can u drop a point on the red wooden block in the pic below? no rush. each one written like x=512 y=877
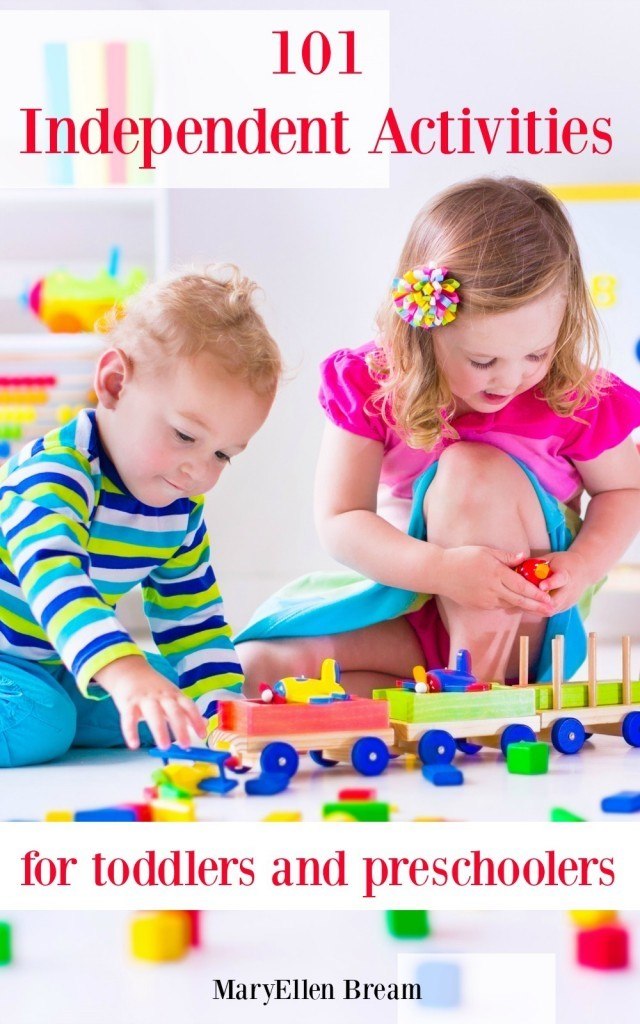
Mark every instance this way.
x=357 y=794
x=253 y=718
x=142 y=811
x=150 y=792
x=605 y=948
x=194 y=923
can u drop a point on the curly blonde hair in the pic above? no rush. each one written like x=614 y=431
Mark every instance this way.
x=507 y=241
x=193 y=312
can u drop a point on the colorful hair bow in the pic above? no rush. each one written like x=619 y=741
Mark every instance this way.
x=426 y=297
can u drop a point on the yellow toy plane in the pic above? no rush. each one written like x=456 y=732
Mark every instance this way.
x=299 y=689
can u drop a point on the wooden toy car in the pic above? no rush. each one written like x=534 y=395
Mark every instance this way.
x=435 y=724
x=329 y=729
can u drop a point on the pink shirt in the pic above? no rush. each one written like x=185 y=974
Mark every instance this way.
x=526 y=428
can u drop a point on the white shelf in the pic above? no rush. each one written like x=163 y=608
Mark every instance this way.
x=36 y=344
x=125 y=195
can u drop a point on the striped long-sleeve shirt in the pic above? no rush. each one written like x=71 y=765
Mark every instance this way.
x=73 y=540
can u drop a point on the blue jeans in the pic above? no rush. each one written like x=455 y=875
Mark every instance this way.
x=43 y=713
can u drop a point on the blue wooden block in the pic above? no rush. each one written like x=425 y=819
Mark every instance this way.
x=106 y=814
x=439 y=984
x=443 y=774
x=267 y=784
x=622 y=803
x=221 y=786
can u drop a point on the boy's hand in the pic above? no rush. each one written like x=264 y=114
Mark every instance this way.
x=568 y=580
x=141 y=693
x=483 y=578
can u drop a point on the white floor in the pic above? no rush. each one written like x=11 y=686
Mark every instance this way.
x=74 y=967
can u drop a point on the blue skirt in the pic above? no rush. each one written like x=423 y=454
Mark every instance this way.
x=324 y=603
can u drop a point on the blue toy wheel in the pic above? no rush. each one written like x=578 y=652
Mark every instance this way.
x=436 y=747
x=369 y=755
x=631 y=728
x=516 y=733
x=279 y=758
x=465 y=747
x=324 y=762
x=568 y=735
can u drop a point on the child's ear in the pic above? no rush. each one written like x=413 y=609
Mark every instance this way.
x=112 y=372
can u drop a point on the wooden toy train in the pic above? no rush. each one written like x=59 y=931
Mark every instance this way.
x=434 y=715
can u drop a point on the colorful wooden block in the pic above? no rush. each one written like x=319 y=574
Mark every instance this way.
x=605 y=948
x=408 y=924
x=267 y=784
x=576 y=695
x=358 y=810
x=142 y=811
x=357 y=794
x=255 y=718
x=499 y=702
x=106 y=814
x=167 y=791
x=160 y=937
x=626 y=802
x=439 y=984
x=528 y=758
x=193 y=919
x=411 y=762
x=173 y=810
x=59 y=816
x=443 y=774
x=195 y=930
x=5 y=943
x=283 y=816
x=561 y=814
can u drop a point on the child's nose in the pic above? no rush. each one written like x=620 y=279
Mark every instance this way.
x=507 y=381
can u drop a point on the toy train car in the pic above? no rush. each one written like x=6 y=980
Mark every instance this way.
x=565 y=714
x=273 y=735
x=434 y=715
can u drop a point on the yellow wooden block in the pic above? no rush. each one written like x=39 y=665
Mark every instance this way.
x=422 y=818
x=187 y=777
x=411 y=762
x=59 y=816
x=284 y=816
x=592 y=918
x=173 y=810
x=160 y=937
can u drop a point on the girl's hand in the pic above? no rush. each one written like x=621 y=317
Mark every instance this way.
x=141 y=693
x=479 y=577
x=568 y=580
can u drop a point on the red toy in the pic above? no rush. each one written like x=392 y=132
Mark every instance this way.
x=605 y=948
x=535 y=570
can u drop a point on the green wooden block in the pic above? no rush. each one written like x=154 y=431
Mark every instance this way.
x=576 y=695
x=408 y=924
x=560 y=814
x=168 y=791
x=528 y=758
x=499 y=702
x=5 y=943
x=361 y=810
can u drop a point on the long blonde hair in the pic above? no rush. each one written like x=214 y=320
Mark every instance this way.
x=507 y=241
